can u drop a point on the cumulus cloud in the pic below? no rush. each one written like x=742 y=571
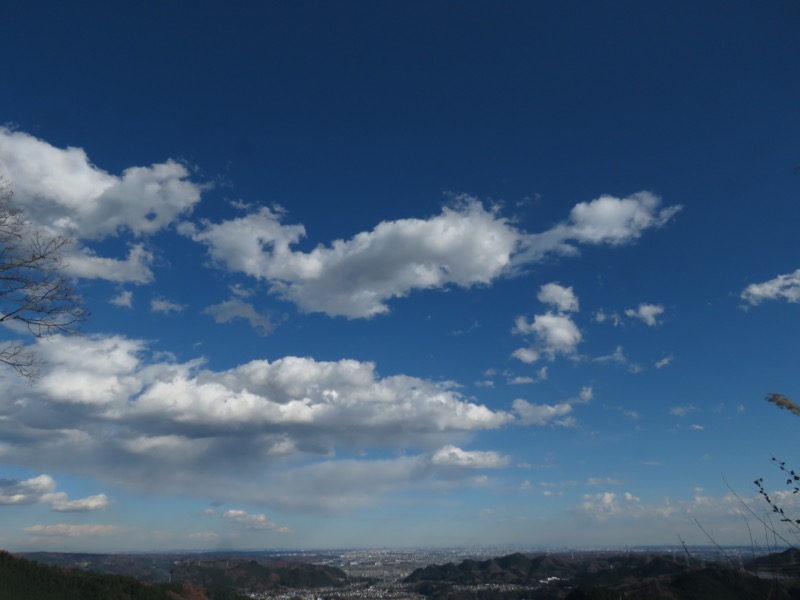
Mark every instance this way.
x=555 y=334
x=96 y=370
x=646 y=312
x=465 y=245
x=42 y=490
x=605 y=505
x=30 y=491
x=783 y=286
x=560 y=297
x=526 y=355
x=108 y=407
x=236 y=308
x=63 y=193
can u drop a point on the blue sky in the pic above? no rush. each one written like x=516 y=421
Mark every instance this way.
x=392 y=274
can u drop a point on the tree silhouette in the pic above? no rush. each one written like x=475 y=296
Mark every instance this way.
x=35 y=295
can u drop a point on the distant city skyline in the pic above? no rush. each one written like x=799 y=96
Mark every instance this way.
x=404 y=275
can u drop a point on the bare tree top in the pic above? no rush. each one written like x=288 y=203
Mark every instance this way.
x=35 y=296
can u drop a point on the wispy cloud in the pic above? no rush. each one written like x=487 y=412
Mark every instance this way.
x=67 y=530
x=165 y=307
x=783 y=286
x=236 y=308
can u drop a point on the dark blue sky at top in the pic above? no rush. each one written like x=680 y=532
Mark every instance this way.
x=405 y=98
x=361 y=102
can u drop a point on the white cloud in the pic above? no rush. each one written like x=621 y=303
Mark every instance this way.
x=161 y=305
x=520 y=380
x=603 y=505
x=618 y=357
x=63 y=193
x=682 y=411
x=526 y=355
x=562 y=298
x=345 y=398
x=541 y=414
x=64 y=530
x=123 y=300
x=62 y=190
x=238 y=309
x=252 y=521
x=29 y=491
x=586 y=395
x=664 y=362
x=555 y=334
x=42 y=490
x=605 y=220
x=723 y=515
x=266 y=432
x=512 y=379
x=783 y=286
x=452 y=456
x=83 y=262
x=465 y=245
x=89 y=503
x=601 y=317
x=97 y=370
x=646 y=312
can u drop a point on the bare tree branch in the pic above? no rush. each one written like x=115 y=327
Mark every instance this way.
x=34 y=292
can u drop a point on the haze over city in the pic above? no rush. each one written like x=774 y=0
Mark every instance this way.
x=383 y=274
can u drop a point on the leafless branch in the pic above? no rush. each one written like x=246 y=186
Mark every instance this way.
x=34 y=292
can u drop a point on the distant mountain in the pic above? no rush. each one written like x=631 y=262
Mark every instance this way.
x=196 y=578
x=786 y=563
x=22 y=579
x=598 y=577
x=253 y=576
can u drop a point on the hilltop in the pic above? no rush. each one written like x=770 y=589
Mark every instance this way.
x=599 y=576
